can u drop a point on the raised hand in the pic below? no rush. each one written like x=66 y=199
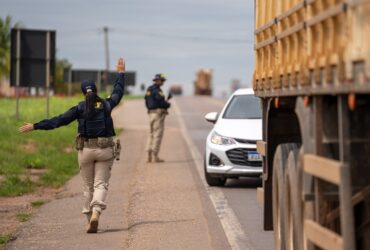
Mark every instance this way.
x=27 y=127
x=121 y=65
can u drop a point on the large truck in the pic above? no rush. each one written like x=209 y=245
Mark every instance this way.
x=312 y=69
x=203 y=82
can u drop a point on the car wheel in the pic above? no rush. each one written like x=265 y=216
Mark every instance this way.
x=213 y=181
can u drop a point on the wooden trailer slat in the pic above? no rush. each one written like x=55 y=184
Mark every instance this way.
x=322 y=237
x=323 y=168
x=261 y=148
x=292 y=30
x=260 y=195
x=266 y=43
x=333 y=11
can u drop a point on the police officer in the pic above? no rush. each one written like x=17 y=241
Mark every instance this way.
x=94 y=143
x=157 y=109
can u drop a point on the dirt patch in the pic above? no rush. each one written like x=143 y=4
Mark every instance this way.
x=11 y=206
x=33 y=174
x=68 y=149
x=30 y=146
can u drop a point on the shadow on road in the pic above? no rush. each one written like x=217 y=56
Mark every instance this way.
x=113 y=230
x=244 y=182
x=179 y=161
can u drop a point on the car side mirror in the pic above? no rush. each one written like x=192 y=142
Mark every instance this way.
x=211 y=117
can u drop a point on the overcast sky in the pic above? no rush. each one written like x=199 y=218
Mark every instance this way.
x=176 y=37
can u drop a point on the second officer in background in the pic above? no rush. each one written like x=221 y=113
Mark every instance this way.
x=157 y=107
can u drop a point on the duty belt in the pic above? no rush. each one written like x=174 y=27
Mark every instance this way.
x=100 y=142
x=157 y=111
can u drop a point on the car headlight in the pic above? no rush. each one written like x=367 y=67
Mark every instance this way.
x=221 y=140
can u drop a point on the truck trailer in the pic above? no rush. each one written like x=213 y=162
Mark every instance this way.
x=312 y=68
x=203 y=82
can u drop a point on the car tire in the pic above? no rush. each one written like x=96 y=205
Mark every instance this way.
x=213 y=181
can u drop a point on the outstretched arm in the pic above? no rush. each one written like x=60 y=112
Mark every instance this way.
x=27 y=127
x=119 y=85
x=52 y=123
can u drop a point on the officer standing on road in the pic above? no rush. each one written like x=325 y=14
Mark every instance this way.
x=95 y=145
x=157 y=109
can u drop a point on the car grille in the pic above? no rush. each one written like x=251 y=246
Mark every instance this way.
x=246 y=141
x=239 y=156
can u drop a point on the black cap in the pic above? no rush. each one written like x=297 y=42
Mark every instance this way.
x=159 y=77
x=87 y=86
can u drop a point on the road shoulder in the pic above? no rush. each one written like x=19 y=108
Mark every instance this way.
x=150 y=206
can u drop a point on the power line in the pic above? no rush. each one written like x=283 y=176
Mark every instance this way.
x=186 y=37
x=163 y=35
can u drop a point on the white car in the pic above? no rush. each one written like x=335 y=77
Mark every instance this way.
x=231 y=144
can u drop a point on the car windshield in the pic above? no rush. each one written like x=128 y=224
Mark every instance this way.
x=243 y=107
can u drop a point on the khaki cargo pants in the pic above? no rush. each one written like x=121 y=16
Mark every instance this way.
x=156 y=120
x=95 y=168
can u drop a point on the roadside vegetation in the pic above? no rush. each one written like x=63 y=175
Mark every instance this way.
x=38 y=203
x=39 y=158
x=23 y=217
x=4 y=239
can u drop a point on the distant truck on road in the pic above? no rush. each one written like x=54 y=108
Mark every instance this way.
x=176 y=89
x=203 y=82
x=312 y=74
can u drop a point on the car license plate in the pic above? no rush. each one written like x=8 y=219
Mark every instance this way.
x=253 y=156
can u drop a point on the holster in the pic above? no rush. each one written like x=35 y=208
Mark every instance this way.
x=117 y=150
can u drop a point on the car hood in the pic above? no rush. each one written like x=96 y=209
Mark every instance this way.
x=248 y=129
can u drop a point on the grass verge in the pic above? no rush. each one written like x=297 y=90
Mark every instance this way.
x=52 y=151
x=23 y=217
x=38 y=203
x=20 y=153
x=5 y=239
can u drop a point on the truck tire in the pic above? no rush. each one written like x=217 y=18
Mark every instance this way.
x=293 y=201
x=278 y=196
x=213 y=181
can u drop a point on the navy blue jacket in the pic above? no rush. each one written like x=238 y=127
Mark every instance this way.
x=77 y=113
x=155 y=99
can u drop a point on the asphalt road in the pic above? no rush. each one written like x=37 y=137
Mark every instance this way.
x=156 y=206
x=241 y=193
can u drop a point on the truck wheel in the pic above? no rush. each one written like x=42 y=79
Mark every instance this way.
x=293 y=202
x=278 y=196
x=213 y=181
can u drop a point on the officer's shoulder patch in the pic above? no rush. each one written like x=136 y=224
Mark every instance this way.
x=98 y=104
x=148 y=93
x=161 y=93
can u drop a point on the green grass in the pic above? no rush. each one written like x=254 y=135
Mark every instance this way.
x=23 y=217
x=133 y=97
x=37 y=204
x=5 y=239
x=49 y=150
x=13 y=186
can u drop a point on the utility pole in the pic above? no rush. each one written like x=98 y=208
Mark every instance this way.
x=106 y=45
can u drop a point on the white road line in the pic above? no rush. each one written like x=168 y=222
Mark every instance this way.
x=233 y=229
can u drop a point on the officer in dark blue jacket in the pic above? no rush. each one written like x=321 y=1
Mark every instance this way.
x=157 y=106
x=94 y=143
